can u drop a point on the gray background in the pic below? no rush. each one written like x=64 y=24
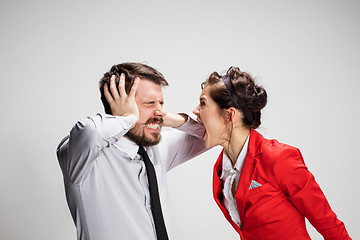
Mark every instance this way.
x=52 y=54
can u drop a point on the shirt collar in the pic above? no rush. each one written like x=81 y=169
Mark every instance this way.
x=127 y=146
x=227 y=164
x=131 y=149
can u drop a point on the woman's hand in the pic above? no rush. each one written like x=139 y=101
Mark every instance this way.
x=122 y=104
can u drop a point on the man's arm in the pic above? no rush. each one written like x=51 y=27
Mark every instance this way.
x=91 y=135
x=184 y=142
x=174 y=119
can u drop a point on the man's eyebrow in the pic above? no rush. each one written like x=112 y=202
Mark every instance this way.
x=153 y=101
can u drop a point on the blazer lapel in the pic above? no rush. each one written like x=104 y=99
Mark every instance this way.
x=217 y=192
x=246 y=176
x=247 y=172
x=217 y=184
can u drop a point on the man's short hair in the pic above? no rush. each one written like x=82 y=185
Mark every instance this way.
x=131 y=71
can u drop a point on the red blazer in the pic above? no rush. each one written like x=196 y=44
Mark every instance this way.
x=288 y=193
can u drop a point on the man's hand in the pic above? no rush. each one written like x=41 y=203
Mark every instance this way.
x=120 y=103
x=174 y=119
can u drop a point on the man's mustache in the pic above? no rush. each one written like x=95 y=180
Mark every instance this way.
x=159 y=121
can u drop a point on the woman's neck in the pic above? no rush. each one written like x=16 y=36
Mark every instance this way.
x=236 y=143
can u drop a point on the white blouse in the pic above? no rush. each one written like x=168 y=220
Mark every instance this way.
x=230 y=176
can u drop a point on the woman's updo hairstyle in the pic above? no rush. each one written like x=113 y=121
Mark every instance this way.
x=253 y=96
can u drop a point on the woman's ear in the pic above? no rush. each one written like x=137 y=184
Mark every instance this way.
x=230 y=113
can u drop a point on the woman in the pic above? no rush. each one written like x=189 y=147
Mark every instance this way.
x=262 y=186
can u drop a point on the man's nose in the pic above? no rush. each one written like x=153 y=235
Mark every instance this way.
x=160 y=110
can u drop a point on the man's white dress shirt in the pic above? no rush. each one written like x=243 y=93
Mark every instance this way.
x=230 y=176
x=105 y=179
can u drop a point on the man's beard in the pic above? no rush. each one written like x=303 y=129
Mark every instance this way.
x=137 y=133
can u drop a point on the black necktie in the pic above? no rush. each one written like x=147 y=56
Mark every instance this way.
x=154 y=196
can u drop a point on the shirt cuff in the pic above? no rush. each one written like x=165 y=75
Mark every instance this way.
x=192 y=127
x=115 y=126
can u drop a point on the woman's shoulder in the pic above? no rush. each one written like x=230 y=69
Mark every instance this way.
x=272 y=149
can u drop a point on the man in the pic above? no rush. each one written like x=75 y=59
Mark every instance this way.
x=106 y=180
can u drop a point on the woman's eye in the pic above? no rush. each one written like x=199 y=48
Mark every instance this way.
x=202 y=103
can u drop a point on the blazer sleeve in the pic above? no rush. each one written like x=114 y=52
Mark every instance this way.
x=303 y=191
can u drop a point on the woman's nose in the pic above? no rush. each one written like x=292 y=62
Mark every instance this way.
x=196 y=111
